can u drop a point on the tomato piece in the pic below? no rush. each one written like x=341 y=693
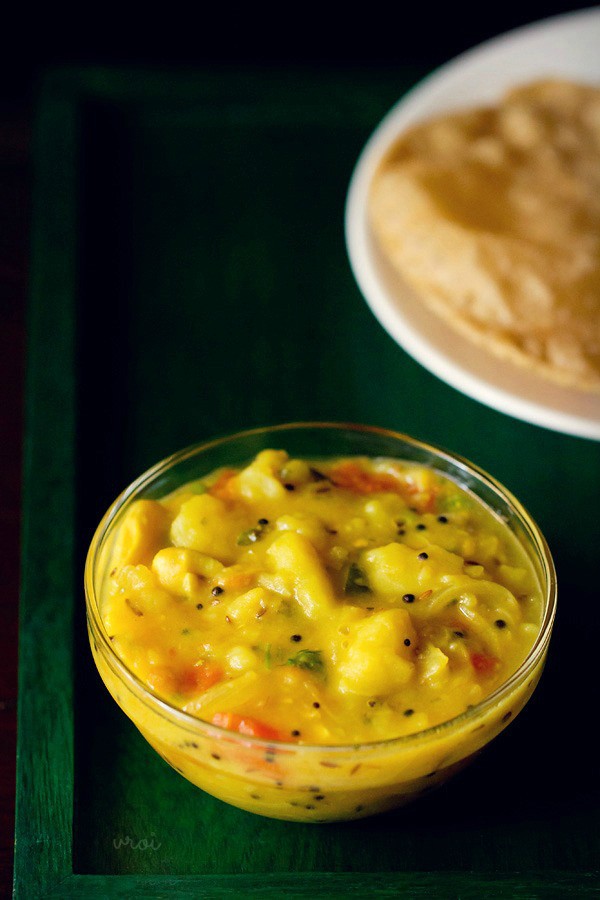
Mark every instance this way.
x=199 y=677
x=246 y=725
x=483 y=664
x=188 y=680
x=428 y=502
x=222 y=488
x=350 y=476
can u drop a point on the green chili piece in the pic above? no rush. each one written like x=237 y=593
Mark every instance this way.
x=251 y=536
x=356 y=581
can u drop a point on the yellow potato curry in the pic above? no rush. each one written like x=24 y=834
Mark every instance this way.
x=330 y=601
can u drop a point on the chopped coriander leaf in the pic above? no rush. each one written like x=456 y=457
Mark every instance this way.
x=308 y=659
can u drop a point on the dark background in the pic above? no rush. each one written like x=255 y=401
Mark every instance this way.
x=322 y=34
x=373 y=35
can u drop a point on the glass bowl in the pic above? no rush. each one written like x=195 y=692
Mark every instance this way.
x=301 y=782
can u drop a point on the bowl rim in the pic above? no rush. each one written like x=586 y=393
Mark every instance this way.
x=194 y=724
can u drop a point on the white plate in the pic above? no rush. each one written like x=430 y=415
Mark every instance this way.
x=563 y=46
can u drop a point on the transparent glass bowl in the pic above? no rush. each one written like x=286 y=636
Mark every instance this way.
x=302 y=782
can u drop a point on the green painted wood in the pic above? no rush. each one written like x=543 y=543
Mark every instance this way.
x=45 y=782
x=204 y=287
x=338 y=886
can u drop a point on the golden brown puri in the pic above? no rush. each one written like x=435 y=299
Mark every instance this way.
x=493 y=216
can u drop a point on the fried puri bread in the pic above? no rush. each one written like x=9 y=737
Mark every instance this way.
x=492 y=216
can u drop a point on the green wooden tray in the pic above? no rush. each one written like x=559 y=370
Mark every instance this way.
x=189 y=278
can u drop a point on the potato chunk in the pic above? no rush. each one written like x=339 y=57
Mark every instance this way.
x=378 y=659
x=396 y=569
x=143 y=531
x=203 y=525
x=135 y=597
x=308 y=525
x=433 y=665
x=174 y=565
x=259 y=480
x=294 y=555
x=250 y=606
